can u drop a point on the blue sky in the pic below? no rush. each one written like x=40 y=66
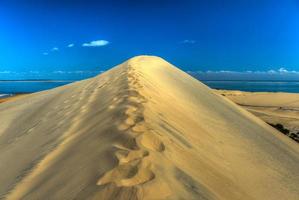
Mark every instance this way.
x=198 y=36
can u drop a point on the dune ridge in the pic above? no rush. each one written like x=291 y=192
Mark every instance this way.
x=142 y=130
x=133 y=167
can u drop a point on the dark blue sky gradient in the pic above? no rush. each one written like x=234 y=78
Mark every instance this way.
x=227 y=35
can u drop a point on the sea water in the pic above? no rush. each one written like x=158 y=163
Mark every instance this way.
x=15 y=87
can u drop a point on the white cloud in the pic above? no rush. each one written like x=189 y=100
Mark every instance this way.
x=71 y=45
x=45 y=53
x=96 y=43
x=59 y=72
x=55 y=49
x=283 y=70
x=188 y=42
x=271 y=71
x=227 y=71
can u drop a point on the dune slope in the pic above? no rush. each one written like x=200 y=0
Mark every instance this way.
x=142 y=130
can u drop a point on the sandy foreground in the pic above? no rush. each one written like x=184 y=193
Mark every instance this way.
x=272 y=107
x=142 y=130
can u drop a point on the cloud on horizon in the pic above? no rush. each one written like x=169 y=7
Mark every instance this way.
x=271 y=71
x=280 y=74
x=71 y=45
x=272 y=74
x=47 y=75
x=96 y=43
x=188 y=42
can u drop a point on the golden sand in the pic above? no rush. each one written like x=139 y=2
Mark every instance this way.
x=142 y=130
x=11 y=98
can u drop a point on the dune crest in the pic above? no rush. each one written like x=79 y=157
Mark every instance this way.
x=133 y=168
x=142 y=130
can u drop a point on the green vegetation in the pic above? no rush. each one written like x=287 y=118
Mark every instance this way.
x=282 y=129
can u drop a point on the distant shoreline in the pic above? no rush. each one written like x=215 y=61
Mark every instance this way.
x=261 y=81
x=35 y=85
x=38 y=80
x=12 y=97
x=71 y=80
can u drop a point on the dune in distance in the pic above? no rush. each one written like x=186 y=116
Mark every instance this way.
x=142 y=130
x=272 y=107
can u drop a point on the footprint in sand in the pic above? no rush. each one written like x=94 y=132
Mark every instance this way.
x=134 y=167
x=129 y=174
x=130 y=110
x=123 y=127
x=131 y=155
x=151 y=141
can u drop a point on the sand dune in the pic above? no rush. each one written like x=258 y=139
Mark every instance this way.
x=142 y=130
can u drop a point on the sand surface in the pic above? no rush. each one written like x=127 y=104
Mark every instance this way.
x=11 y=98
x=272 y=107
x=142 y=130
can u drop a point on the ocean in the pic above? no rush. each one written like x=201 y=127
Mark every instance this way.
x=256 y=86
x=15 y=87
x=8 y=88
